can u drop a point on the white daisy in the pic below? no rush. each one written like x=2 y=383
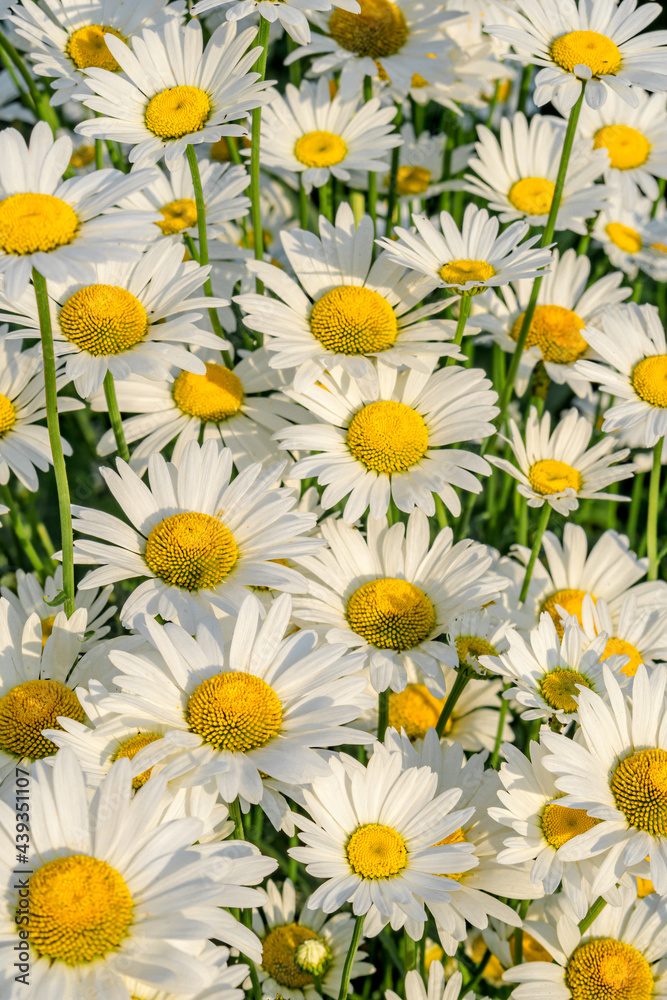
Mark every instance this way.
x=639 y=635
x=347 y=309
x=419 y=167
x=292 y=15
x=436 y=988
x=394 y=593
x=176 y=93
x=632 y=239
x=517 y=175
x=200 y=539
x=57 y=226
x=469 y=259
x=388 y=440
x=478 y=633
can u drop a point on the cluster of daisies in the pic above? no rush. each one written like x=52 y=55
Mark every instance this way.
x=333 y=393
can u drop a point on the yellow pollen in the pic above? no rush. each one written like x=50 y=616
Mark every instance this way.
x=560 y=824
x=624 y=237
x=87 y=47
x=103 y=320
x=458 y=837
x=391 y=614
x=379 y=30
x=555 y=330
x=130 y=747
x=470 y=647
x=47 y=629
x=559 y=690
x=191 y=550
x=35 y=223
x=375 y=851
x=178 y=111
x=549 y=476
x=607 y=969
x=212 y=397
x=320 y=149
x=415 y=710
x=570 y=600
x=644 y=888
x=28 y=709
x=586 y=48
x=639 y=787
x=460 y=272
x=532 y=195
x=82 y=157
x=353 y=320
x=178 y=215
x=411 y=180
x=235 y=711
x=619 y=647
x=278 y=951
x=7 y=415
x=80 y=909
x=649 y=380
x=627 y=148
x=387 y=437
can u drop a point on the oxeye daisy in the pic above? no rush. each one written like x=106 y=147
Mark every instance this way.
x=347 y=309
x=297 y=947
x=381 y=837
x=639 y=635
x=478 y=633
x=472 y=258
x=394 y=593
x=200 y=539
x=592 y=40
x=133 y=317
x=559 y=468
x=566 y=304
x=175 y=92
x=149 y=894
x=419 y=166
x=57 y=226
x=435 y=988
x=387 y=440
x=631 y=239
x=517 y=175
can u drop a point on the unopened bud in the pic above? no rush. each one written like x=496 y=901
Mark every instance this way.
x=313 y=956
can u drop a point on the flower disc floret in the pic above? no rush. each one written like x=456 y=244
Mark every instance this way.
x=387 y=436
x=556 y=331
x=353 y=320
x=28 y=709
x=212 y=397
x=532 y=195
x=471 y=647
x=375 y=851
x=87 y=47
x=586 y=48
x=178 y=111
x=178 y=215
x=560 y=824
x=235 y=711
x=639 y=787
x=621 y=647
x=320 y=149
x=415 y=710
x=559 y=688
x=627 y=148
x=411 y=180
x=607 y=969
x=130 y=747
x=460 y=272
x=378 y=31
x=104 y=320
x=7 y=415
x=391 y=614
x=35 y=223
x=626 y=239
x=569 y=599
x=649 y=380
x=191 y=550
x=279 y=949
x=549 y=476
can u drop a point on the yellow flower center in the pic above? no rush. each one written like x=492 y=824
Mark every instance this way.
x=532 y=195
x=28 y=709
x=570 y=600
x=411 y=180
x=80 y=909
x=586 y=48
x=387 y=437
x=644 y=888
x=7 y=415
x=649 y=380
x=178 y=111
x=658 y=248
x=82 y=157
x=130 y=747
x=458 y=837
x=560 y=824
x=47 y=628
x=235 y=711
x=103 y=320
x=415 y=710
x=35 y=223
x=627 y=147
x=191 y=550
x=391 y=614
x=212 y=397
x=607 y=969
x=353 y=320
x=555 y=330
x=278 y=955
x=639 y=787
x=549 y=476
x=320 y=149
x=379 y=30
x=558 y=688
x=376 y=851
x=178 y=215
x=460 y=272
x=619 y=647
x=624 y=237
x=87 y=47
x=470 y=647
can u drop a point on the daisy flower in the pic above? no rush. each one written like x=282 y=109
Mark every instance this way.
x=133 y=318
x=200 y=539
x=592 y=40
x=631 y=343
x=517 y=175
x=435 y=989
x=639 y=635
x=56 y=226
x=296 y=948
x=347 y=309
x=560 y=468
x=292 y=15
x=175 y=93
x=419 y=166
x=631 y=239
x=470 y=259
x=478 y=633
x=379 y=837
x=149 y=892
x=566 y=304
x=228 y=405
x=394 y=593
x=311 y=134
x=386 y=440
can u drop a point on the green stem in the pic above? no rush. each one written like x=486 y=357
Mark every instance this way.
x=115 y=417
x=236 y=816
x=326 y=200
x=21 y=531
x=502 y=715
x=99 y=155
x=393 y=176
x=524 y=88
x=409 y=952
x=545 y=513
x=440 y=511
x=594 y=910
x=295 y=67
x=256 y=207
x=303 y=205
x=463 y=675
x=465 y=303
x=518 y=933
x=372 y=178
x=246 y=915
x=357 y=205
x=635 y=507
x=661 y=193
x=653 y=508
x=42 y=107
x=349 y=958
x=53 y=425
x=383 y=713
